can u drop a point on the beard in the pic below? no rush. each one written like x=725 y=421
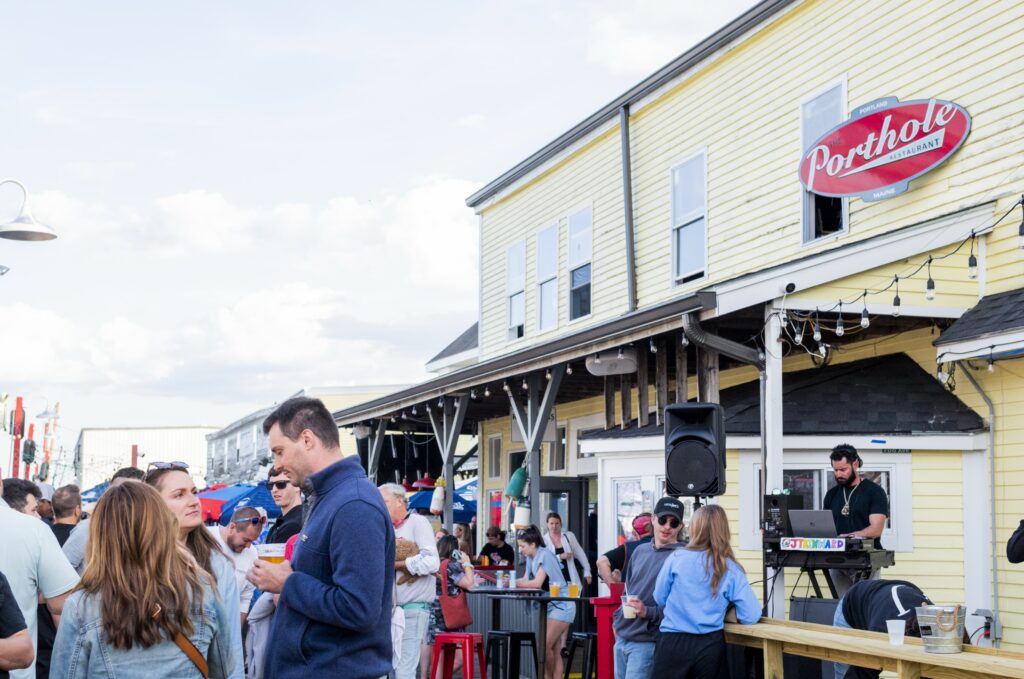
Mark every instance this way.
x=847 y=482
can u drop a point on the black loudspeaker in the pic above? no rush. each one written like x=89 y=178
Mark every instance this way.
x=695 y=449
x=776 y=514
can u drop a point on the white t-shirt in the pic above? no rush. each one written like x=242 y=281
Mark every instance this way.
x=242 y=561
x=32 y=563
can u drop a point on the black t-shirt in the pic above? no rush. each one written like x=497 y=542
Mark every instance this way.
x=11 y=619
x=286 y=526
x=869 y=603
x=62 y=531
x=495 y=554
x=865 y=499
x=618 y=558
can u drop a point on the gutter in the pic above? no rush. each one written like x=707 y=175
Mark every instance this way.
x=627 y=208
x=997 y=627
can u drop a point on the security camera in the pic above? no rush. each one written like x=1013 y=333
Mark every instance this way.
x=789 y=288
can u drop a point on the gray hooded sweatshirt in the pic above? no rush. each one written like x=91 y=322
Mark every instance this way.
x=644 y=566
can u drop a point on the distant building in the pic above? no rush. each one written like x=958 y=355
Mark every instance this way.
x=100 y=452
x=239 y=453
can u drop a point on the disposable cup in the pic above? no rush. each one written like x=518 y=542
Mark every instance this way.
x=574 y=590
x=628 y=612
x=897 y=629
x=271 y=553
x=555 y=590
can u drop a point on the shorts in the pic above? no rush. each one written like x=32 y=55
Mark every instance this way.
x=563 y=611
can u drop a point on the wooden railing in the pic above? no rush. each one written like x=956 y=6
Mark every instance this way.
x=871 y=650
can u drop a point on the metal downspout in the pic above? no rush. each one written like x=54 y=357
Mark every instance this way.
x=997 y=632
x=627 y=208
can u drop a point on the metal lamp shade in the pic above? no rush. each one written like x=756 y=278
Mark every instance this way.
x=26 y=228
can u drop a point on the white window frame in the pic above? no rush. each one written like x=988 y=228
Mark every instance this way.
x=805 y=227
x=511 y=292
x=553 y=277
x=490 y=463
x=571 y=266
x=898 y=536
x=678 y=277
x=564 y=469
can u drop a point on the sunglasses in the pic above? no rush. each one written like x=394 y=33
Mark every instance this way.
x=183 y=466
x=280 y=485
x=670 y=520
x=251 y=520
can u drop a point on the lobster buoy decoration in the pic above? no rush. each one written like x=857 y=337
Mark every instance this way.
x=437 y=499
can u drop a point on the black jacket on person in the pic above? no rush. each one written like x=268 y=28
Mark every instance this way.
x=1015 y=547
x=286 y=526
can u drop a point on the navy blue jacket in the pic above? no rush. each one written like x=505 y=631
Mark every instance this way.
x=334 y=615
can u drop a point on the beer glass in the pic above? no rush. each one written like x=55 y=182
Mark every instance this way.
x=271 y=553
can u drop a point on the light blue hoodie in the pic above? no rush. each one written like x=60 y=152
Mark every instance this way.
x=683 y=591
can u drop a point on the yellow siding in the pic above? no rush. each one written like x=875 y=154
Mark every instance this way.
x=592 y=176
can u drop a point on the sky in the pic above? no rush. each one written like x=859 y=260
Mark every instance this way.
x=252 y=198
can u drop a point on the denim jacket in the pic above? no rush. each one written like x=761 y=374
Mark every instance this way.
x=81 y=649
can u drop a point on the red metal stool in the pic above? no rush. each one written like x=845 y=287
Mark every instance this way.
x=447 y=643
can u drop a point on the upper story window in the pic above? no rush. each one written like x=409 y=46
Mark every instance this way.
x=823 y=216
x=580 y=273
x=547 y=278
x=689 y=228
x=494 y=457
x=515 y=289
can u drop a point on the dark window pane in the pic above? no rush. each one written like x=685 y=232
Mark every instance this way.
x=828 y=215
x=579 y=292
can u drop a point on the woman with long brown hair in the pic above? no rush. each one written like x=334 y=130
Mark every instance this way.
x=179 y=493
x=143 y=604
x=695 y=589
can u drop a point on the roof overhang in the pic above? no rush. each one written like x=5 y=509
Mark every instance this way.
x=622 y=330
x=995 y=345
x=455 y=361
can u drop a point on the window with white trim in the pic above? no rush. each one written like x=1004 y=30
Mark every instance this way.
x=580 y=272
x=689 y=224
x=494 y=457
x=515 y=290
x=823 y=216
x=556 y=451
x=547 y=278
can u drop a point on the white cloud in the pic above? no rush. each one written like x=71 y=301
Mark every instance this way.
x=472 y=121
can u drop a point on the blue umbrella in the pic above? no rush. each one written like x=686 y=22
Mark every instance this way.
x=463 y=503
x=94 y=493
x=250 y=496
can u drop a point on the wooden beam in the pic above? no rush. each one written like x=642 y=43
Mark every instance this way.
x=682 y=381
x=609 y=402
x=626 y=398
x=773 y=659
x=906 y=669
x=660 y=382
x=707 y=376
x=642 y=401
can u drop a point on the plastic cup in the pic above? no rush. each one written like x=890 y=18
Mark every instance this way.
x=271 y=553
x=628 y=612
x=897 y=630
x=574 y=590
x=555 y=590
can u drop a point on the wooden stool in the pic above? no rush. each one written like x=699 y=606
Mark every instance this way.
x=447 y=643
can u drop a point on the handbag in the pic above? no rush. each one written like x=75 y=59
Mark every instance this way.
x=455 y=608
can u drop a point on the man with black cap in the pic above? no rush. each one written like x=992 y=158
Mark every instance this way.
x=636 y=629
x=868 y=604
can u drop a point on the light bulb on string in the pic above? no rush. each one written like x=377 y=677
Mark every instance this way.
x=487 y=391
x=991 y=361
x=414 y=410
x=597 y=357
x=568 y=368
x=816 y=328
x=972 y=261
x=654 y=349
x=547 y=375
x=840 y=331
x=929 y=288
x=822 y=350
x=526 y=385
x=798 y=336
x=896 y=300
x=505 y=386
x=440 y=402
x=864 y=320
x=620 y=356
x=472 y=394
x=684 y=341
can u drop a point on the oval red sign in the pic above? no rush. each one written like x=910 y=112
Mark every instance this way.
x=883 y=146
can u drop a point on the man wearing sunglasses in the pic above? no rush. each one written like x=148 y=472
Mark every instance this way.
x=636 y=637
x=235 y=539
x=288 y=497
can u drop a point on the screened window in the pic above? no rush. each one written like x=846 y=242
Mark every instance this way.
x=494 y=457
x=822 y=215
x=547 y=278
x=689 y=231
x=515 y=286
x=580 y=241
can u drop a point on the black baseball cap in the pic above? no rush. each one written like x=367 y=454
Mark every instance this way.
x=669 y=506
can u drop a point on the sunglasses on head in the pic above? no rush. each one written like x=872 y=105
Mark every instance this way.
x=280 y=485
x=251 y=520
x=183 y=466
x=670 y=520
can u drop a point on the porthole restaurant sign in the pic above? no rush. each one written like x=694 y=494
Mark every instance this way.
x=883 y=146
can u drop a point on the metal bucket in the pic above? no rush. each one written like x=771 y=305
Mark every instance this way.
x=942 y=628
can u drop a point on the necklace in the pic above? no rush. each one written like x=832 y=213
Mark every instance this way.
x=846 y=499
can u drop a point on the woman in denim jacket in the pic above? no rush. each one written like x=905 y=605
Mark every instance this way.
x=142 y=599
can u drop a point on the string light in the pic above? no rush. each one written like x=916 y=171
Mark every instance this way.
x=568 y=368
x=393 y=418
x=929 y=288
x=991 y=361
x=684 y=341
x=864 y=320
x=472 y=394
x=440 y=402
x=896 y=299
x=526 y=385
x=840 y=331
x=487 y=391
x=414 y=410
x=597 y=357
x=504 y=386
x=816 y=327
x=620 y=354
x=547 y=375
x=822 y=349
x=404 y=416
x=654 y=349
x=972 y=261
x=798 y=336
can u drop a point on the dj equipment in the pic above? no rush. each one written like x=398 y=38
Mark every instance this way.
x=776 y=514
x=856 y=554
x=695 y=449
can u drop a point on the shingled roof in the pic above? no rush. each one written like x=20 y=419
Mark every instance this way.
x=991 y=315
x=882 y=395
x=465 y=342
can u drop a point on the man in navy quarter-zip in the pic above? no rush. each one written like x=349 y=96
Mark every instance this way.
x=334 y=612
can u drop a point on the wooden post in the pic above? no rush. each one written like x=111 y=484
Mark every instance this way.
x=907 y=669
x=682 y=381
x=660 y=382
x=609 y=402
x=626 y=396
x=773 y=659
x=707 y=376
x=642 y=401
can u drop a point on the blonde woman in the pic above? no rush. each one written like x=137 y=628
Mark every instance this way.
x=142 y=599
x=695 y=589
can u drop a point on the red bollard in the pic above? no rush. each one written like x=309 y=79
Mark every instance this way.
x=604 y=608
